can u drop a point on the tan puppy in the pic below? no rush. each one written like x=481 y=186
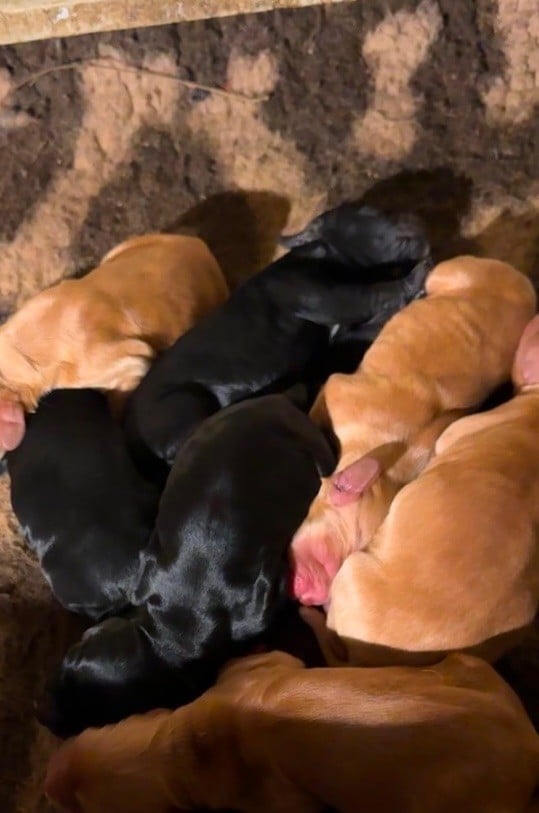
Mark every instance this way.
x=456 y=563
x=103 y=330
x=434 y=361
x=274 y=737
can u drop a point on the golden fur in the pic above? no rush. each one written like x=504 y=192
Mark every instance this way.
x=456 y=563
x=434 y=361
x=274 y=737
x=103 y=330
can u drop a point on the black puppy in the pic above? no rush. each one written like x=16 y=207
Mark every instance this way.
x=353 y=236
x=215 y=574
x=83 y=507
x=356 y=235
x=268 y=333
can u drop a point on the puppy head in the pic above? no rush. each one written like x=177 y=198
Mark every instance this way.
x=102 y=679
x=363 y=236
x=525 y=371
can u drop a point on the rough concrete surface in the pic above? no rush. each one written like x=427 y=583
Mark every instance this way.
x=428 y=105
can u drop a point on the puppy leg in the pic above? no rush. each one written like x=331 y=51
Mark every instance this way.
x=127 y=364
x=423 y=445
x=112 y=365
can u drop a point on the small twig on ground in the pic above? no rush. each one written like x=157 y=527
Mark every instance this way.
x=111 y=65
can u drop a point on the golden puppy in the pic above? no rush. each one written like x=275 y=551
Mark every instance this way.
x=103 y=330
x=456 y=563
x=434 y=361
x=274 y=737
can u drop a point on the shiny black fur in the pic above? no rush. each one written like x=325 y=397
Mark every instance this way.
x=356 y=235
x=83 y=507
x=215 y=575
x=272 y=330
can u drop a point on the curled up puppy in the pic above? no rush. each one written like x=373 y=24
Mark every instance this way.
x=274 y=737
x=83 y=507
x=432 y=363
x=102 y=331
x=455 y=565
x=213 y=577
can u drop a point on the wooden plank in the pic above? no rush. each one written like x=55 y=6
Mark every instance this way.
x=25 y=20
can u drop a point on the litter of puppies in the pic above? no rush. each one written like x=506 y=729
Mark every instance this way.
x=188 y=465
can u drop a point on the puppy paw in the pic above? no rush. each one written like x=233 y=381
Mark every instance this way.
x=12 y=426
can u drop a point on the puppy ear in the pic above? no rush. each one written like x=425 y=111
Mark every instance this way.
x=352 y=482
x=12 y=426
x=526 y=364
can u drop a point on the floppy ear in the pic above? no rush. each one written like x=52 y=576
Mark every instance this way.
x=526 y=364
x=352 y=482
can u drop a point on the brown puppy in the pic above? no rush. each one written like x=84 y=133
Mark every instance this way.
x=456 y=563
x=103 y=330
x=274 y=737
x=434 y=361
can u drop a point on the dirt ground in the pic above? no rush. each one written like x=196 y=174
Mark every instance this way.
x=428 y=106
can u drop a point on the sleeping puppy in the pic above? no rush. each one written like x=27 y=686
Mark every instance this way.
x=467 y=574
x=266 y=336
x=274 y=737
x=103 y=330
x=353 y=235
x=433 y=362
x=213 y=576
x=83 y=508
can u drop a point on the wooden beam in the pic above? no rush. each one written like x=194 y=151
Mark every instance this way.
x=25 y=20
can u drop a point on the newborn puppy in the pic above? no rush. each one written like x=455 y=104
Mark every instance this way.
x=456 y=563
x=355 y=236
x=264 y=338
x=433 y=362
x=214 y=573
x=83 y=508
x=103 y=330
x=274 y=737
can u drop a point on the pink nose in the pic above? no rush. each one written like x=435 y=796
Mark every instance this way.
x=310 y=590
